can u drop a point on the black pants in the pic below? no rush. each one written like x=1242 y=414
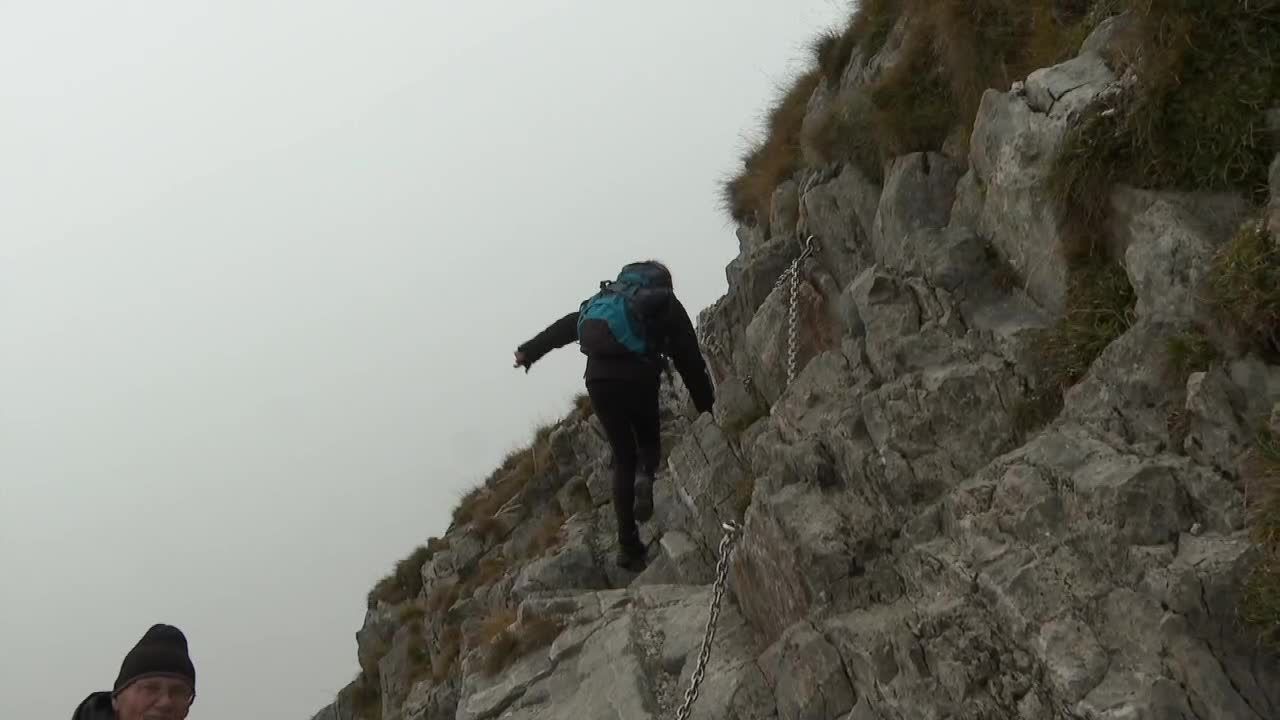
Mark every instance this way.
x=628 y=410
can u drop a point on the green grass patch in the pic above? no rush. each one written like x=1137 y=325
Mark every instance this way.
x=1260 y=604
x=1181 y=126
x=1189 y=352
x=1099 y=309
x=1244 y=285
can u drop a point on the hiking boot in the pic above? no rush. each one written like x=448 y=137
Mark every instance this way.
x=631 y=559
x=644 y=497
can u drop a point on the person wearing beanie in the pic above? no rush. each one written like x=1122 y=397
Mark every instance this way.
x=157 y=681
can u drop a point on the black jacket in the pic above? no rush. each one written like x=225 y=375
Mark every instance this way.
x=95 y=707
x=676 y=337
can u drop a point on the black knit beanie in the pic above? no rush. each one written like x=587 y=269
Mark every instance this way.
x=161 y=651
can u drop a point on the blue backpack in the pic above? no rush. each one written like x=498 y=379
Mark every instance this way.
x=620 y=318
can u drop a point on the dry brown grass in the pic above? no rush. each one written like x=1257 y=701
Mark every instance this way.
x=913 y=109
x=872 y=22
x=547 y=537
x=841 y=132
x=582 y=406
x=444 y=661
x=748 y=196
x=487 y=572
x=494 y=623
x=413 y=611
x=366 y=700
x=490 y=570
x=489 y=528
x=832 y=51
x=512 y=643
x=443 y=597
x=405 y=581
x=419 y=657
x=952 y=52
x=465 y=510
x=506 y=483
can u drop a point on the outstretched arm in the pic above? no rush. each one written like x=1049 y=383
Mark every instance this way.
x=557 y=335
x=684 y=351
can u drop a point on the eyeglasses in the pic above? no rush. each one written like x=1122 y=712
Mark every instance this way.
x=178 y=692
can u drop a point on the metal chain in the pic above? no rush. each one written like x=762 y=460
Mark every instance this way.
x=793 y=313
x=732 y=529
x=792 y=274
x=791 y=334
x=731 y=532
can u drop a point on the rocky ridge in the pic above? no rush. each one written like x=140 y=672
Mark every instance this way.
x=913 y=545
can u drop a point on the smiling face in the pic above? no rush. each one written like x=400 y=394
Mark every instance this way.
x=154 y=698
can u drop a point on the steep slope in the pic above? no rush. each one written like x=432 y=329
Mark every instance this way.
x=979 y=474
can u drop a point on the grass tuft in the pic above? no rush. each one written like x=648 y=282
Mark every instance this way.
x=927 y=90
x=1244 y=285
x=1260 y=604
x=547 y=537
x=748 y=196
x=1099 y=309
x=443 y=597
x=443 y=662
x=582 y=406
x=515 y=641
x=832 y=51
x=1190 y=352
x=366 y=700
x=1180 y=126
x=405 y=581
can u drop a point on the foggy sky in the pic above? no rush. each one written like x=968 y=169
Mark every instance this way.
x=262 y=268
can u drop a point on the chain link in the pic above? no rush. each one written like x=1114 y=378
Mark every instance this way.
x=731 y=532
x=731 y=529
x=791 y=334
x=790 y=274
x=793 y=271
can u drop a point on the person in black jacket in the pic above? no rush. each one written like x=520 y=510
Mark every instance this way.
x=157 y=681
x=623 y=386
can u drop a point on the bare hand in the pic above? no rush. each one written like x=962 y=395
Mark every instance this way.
x=521 y=361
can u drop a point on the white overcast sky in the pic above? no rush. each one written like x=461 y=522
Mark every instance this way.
x=262 y=267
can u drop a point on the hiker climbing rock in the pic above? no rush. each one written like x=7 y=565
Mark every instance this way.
x=627 y=330
x=157 y=681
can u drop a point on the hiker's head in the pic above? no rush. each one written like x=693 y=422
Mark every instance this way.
x=659 y=265
x=157 y=680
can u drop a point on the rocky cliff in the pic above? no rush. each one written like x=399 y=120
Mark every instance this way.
x=1003 y=482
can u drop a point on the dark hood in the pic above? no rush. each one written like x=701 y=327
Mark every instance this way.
x=95 y=707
